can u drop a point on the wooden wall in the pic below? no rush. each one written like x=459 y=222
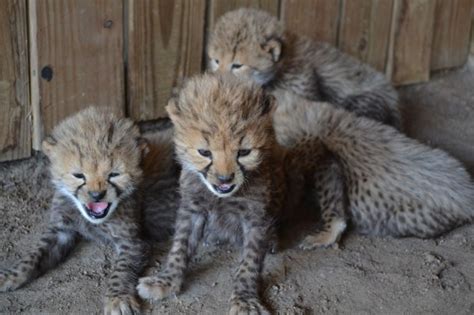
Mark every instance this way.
x=57 y=57
x=15 y=111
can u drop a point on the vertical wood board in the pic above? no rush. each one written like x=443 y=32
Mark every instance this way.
x=165 y=45
x=318 y=19
x=451 y=33
x=15 y=129
x=413 y=34
x=80 y=57
x=364 y=31
x=219 y=7
x=472 y=33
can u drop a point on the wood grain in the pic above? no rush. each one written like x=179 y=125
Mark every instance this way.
x=219 y=7
x=80 y=57
x=413 y=34
x=472 y=34
x=165 y=44
x=15 y=129
x=35 y=99
x=318 y=19
x=364 y=30
x=451 y=33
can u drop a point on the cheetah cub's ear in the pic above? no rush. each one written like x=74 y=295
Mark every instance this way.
x=273 y=47
x=47 y=146
x=144 y=146
x=172 y=109
x=268 y=105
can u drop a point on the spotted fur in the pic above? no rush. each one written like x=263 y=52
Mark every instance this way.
x=97 y=152
x=394 y=185
x=253 y=44
x=223 y=136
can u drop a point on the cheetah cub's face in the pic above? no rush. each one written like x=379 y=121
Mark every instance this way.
x=247 y=43
x=219 y=130
x=95 y=161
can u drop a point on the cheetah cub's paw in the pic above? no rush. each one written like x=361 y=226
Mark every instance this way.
x=247 y=306
x=10 y=281
x=122 y=305
x=325 y=238
x=157 y=288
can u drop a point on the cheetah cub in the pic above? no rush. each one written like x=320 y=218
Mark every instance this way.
x=254 y=44
x=96 y=164
x=394 y=185
x=230 y=185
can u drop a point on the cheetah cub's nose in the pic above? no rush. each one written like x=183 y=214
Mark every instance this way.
x=226 y=179
x=97 y=195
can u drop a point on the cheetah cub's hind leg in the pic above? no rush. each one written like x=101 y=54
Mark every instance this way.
x=52 y=248
x=330 y=191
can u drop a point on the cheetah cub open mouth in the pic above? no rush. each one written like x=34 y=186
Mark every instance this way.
x=224 y=188
x=98 y=210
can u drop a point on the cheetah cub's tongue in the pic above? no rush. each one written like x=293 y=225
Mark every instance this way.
x=97 y=207
x=224 y=187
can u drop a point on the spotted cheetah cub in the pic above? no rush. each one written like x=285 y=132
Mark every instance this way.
x=96 y=164
x=254 y=44
x=394 y=185
x=230 y=185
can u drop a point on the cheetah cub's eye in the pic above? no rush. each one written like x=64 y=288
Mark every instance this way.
x=236 y=66
x=205 y=153
x=114 y=174
x=243 y=152
x=216 y=61
x=79 y=175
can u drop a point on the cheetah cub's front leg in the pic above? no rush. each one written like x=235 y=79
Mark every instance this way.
x=244 y=299
x=131 y=257
x=330 y=189
x=186 y=238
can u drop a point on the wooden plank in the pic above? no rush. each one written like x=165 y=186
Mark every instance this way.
x=413 y=34
x=219 y=7
x=165 y=42
x=15 y=132
x=451 y=33
x=472 y=33
x=317 y=19
x=80 y=57
x=35 y=99
x=364 y=30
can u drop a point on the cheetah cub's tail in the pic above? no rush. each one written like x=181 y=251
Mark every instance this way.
x=395 y=185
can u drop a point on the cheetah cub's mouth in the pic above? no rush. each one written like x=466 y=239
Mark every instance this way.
x=98 y=210
x=224 y=188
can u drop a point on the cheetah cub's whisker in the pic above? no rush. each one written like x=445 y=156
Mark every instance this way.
x=97 y=161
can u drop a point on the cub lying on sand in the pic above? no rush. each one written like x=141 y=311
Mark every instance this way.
x=253 y=44
x=394 y=185
x=97 y=166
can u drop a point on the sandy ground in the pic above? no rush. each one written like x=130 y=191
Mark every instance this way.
x=366 y=275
